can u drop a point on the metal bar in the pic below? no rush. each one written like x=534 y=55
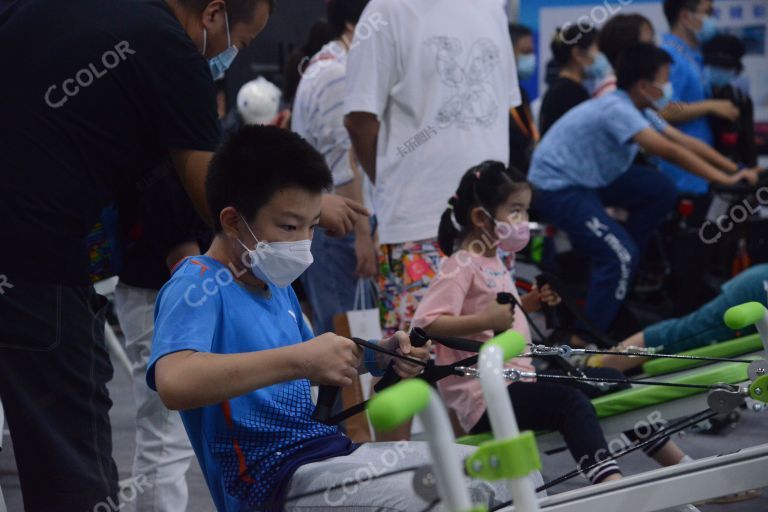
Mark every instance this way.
x=669 y=487
x=502 y=418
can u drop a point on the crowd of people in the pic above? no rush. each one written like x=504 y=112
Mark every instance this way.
x=402 y=150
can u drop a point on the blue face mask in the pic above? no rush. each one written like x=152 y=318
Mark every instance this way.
x=526 y=66
x=719 y=77
x=599 y=68
x=667 y=92
x=708 y=29
x=221 y=62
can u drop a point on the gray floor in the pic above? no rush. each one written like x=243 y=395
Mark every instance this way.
x=751 y=431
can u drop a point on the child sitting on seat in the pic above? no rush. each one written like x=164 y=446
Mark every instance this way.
x=488 y=212
x=584 y=164
x=232 y=352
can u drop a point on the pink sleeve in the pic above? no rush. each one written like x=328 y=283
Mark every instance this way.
x=445 y=295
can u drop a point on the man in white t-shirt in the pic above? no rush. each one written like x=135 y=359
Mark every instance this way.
x=318 y=116
x=429 y=84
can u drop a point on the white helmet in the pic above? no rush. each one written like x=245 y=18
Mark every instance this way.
x=258 y=101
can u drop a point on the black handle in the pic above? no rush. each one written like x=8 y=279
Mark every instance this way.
x=326 y=399
x=550 y=312
x=742 y=187
x=505 y=298
x=418 y=339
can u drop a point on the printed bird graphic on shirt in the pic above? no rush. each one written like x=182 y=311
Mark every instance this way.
x=473 y=99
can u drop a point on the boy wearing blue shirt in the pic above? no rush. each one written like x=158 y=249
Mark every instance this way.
x=232 y=352
x=584 y=163
x=691 y=24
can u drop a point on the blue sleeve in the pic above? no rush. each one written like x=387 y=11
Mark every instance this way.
x=658 y=123
x=623 y=121
x=186 y=318
x=678 y=74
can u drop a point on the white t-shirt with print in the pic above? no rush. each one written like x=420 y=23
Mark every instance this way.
x=440 y=76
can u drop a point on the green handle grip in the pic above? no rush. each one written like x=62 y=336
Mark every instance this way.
x=511 y=343
x=739 y=317
x=758 y=390
x=398 y=404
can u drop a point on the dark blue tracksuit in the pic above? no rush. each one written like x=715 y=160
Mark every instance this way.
x=613 y=249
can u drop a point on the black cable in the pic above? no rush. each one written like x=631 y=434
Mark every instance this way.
x=391 y=353
x=433 y=373
x=531 y=323
x=432 y=505
x=666 y=356
x=623 y=381
x=470 y=345
x=658 y=435
x=664 y=432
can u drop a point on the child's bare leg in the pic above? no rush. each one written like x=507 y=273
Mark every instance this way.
x=622 y=363
x=669 y=455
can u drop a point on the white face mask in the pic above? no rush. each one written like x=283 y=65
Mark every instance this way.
x=278 y=263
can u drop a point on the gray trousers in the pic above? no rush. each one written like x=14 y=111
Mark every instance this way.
x=362 y=491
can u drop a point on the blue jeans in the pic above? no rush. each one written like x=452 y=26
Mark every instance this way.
x=705 y=325
x=614 y=249
x=330 y=281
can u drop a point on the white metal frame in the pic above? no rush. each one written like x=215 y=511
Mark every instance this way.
x=667 y=488
x=669 y=411
x=446 y=462
x=502 y=417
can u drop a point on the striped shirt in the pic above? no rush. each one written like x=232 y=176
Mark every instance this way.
x=318 y=110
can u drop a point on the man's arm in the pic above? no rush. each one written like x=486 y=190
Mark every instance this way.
x=188 y=379
x=192 y=168
x=680 y=112
x=338 y=215
x=701 y=149
x=657 y=144
x=365 y=248
x=363 y=128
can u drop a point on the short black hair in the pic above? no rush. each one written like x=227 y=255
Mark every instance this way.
x=517 y=32
x=672 y=9
x=237 y=10
x=641 y=61
x=724 y=51
x=257 y=161
x=570 y=36
x=619 y=33
x=341 y=12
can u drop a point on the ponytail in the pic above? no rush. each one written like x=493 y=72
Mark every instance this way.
x=449 y=230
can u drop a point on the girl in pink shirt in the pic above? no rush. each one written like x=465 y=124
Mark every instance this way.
x=490 y=210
